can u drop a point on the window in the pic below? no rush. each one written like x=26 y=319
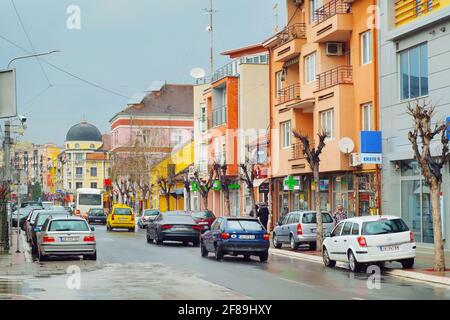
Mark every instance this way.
x=93 y=185
x=366 y=117
x=78 y=156
x=93 y=172
x=78 y=185
x=224 y=97
x=77 y=146
x=310 y=68
x=247 y=225
x=313 y=6
x=337 y=231
x=286 y=136
x=89 y=199
x=311 y=217
x=366 y=47
x=279 y=79
x=347 y=228
x=414 y=72
x=79 y=172
x=384 y=227
x=355 y=229
x=70 y=185
x=202 y=117
x=326 y=119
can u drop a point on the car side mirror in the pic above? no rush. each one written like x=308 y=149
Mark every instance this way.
x=37 y=229
x=279 y=223
x=327 y=235
x=92 y=229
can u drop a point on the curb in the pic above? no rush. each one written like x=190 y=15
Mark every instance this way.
x=396 y=272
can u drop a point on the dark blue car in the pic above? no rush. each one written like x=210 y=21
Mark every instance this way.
x=236 y=236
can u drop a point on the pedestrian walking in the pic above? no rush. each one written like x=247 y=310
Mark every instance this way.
x=340 y=214
x=263 y=214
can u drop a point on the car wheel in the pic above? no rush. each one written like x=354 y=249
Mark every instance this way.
x=407 y=263
x=92 y=257
x=149 y=240
x=246 y=257
x=33 y=249
x=313 y=246
x=131 y=229
x=108 y=228
x=185 y=243
x=219 y=253
x=203 y=251
x=264 y=256
x=275 y=242
x=294 y=245
x=158 y=240
x=326 y=259
x=355 y=266
x=41 y=257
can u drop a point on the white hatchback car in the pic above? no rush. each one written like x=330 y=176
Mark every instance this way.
x=370 y=239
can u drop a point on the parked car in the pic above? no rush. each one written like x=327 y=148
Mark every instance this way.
x=236 y=236
x=29 y=223
x=370 y=240
x=66 y=236
x=23 y=214
x=173 y=226
x=25 y=204
x=96 y=216
x=121 y=216
x=39 y=220
x=300 y=227
x=203 y=218
x=147 y=216
x=47 y=205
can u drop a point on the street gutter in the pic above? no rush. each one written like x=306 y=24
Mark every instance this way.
x=418 y=276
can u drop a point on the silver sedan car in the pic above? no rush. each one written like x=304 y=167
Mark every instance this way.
x=66 y=236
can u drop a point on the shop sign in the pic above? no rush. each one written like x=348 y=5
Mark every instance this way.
x=217 y=186
x=264 y=188
x=371 y=158
x=291 y=183
x=194 y=186
x=234 y=186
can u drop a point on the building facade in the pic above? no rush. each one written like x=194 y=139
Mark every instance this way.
x=231 y=110
x=414 y=64
x=323 y=71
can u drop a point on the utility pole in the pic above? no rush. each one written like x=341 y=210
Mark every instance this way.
x=210 y=11
x=6 y=223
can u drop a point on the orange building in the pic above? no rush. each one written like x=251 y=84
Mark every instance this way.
x=323 y=71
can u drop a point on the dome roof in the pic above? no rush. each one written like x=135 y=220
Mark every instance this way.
x=84 y=132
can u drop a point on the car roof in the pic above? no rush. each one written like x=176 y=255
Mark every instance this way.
x=66 y=217
x=371 y=218
x=310 y=211
x=121 y=206
x=241 y=218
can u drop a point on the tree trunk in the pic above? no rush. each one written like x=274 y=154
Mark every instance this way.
x=188 y=202
x=252 y=202
x=168 y=201
x=439 y=258
x=318 y=210
x=205 y=201
x=228 y=203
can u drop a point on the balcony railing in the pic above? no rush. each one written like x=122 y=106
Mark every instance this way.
x=289 y=93
x=409 y=9
x=333 y=77
x=295 y=31
x=298 y=151
x=219 y=116
x=331 y=9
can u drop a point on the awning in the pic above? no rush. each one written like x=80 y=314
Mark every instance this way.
x=258 y=182
x=291 y=62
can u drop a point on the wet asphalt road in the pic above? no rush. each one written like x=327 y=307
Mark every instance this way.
x=130 y=268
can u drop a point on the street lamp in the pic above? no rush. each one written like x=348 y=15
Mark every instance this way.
x=32 y=56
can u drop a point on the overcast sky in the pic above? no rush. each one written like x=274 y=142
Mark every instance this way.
x=123 y=45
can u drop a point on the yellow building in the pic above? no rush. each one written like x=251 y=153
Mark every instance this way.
x=171 y=170
x=407 y=11
x=83 y=163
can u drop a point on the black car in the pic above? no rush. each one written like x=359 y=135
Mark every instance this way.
x=23 y=215
x=97 y=216
x=174 y=226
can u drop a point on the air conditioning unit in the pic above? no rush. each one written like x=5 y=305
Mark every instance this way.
x=335 y=49
x=355 y=160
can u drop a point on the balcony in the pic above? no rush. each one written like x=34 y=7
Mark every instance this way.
x=219 y=116
x=408 y=10
x=334 y=77
x=289 y=94
x=333 y=22
x=290 y=41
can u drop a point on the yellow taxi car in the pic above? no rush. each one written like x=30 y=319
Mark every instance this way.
x=121 y=216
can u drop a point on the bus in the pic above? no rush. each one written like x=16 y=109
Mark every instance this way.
x=88 y=199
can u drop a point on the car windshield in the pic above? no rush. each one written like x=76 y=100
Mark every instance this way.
x=148 y=213
x=244 y=225
x=384 y=227
x=122 y=211
x=68 y=225
x=90 y=199
x=202 y=215
x=311 y=217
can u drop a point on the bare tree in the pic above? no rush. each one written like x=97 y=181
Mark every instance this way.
x=312 y=155
x=205 y=186
x=225 y=182
x=248 y=177
x=187 y=187
x=166 y=184
x=431 y=166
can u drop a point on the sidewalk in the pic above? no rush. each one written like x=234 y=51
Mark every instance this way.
x=16 y=263
x=422 y=270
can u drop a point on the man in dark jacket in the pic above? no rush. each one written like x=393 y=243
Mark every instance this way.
x=263 y=214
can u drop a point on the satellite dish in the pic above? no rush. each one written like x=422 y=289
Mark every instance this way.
x=198 y=73
x=346 y=145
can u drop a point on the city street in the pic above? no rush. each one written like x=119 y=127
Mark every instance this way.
x=129 y=268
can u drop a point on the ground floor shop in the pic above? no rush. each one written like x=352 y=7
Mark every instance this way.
x=356 y=191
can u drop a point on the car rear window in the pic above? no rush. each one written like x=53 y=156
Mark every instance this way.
x=202 y=215
x=42 y=217
x=122 y=211
x=384 y=227
x=68 y=225
x=244 y=225
x=97 y=212
x=179 y=218
x=151 y=213
x=311 y=217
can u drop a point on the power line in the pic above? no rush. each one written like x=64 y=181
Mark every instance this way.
x=29 y=41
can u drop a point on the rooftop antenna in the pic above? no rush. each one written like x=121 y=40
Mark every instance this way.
x=210 y=29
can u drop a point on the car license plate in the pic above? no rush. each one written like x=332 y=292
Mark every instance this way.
x=123 y=219
x=247 y=236
x=69 y=239
x=180 y=229
x=97 y=220
x=389 y=248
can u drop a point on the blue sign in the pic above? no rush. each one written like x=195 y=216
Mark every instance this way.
x=448 y=127
x=371 y=142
